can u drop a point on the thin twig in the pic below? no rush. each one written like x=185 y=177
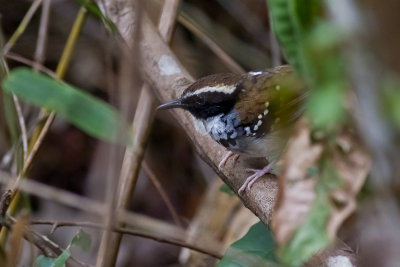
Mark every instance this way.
x=175 y=242
x=71 y=42
x=48 y=247
x=248 y=20
x=22 y=126
x=21 y=120
x=163 y=194
x=116 y=194
x=156 y=227
x=37 y=64
x=218 y=51
x=35 y=147
x=31 y=63
x=39 y=55
x=275 y=50
x=14 y=183
x=87 y=205
x=54 y=194
x=22 y=26
x=42 y=129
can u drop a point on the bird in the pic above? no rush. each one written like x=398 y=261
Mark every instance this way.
x=250 y=114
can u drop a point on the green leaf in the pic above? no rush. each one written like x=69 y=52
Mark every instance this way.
x=43 y=261
x=291 y=21
x=91 y=115
x=307 y=13
x=82 y=240
x=391 y=98
x=256 y=248
x=94 y=9
x=325 y=107
x=311 y=236
x=286 y=30
x=224 y=188
x=327 y=72
x=312 y=45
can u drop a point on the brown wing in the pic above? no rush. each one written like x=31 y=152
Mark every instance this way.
x=270 y=99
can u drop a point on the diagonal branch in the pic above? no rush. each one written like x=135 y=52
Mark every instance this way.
x=166 y=75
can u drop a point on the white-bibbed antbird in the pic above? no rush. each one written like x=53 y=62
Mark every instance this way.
x=250 y=114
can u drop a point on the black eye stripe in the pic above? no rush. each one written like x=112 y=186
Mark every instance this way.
x=209 y=104
x=208 y=98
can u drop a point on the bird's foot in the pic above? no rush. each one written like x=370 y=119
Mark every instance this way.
x=227 y=156
x=254 y=177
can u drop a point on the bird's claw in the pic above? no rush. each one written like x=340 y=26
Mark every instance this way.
x=228 y=155
x=248 y=183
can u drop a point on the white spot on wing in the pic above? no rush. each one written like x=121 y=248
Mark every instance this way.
x=168 y=66
x=260 y=116
x=278 y=87
x=226 y=89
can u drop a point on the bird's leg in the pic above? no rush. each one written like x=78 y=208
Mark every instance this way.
x=228 y=155
x=254 y=177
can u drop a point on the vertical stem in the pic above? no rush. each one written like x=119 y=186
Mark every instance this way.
x=142 y=121
x=156 y=183
x=71 y=42
x=275 y=50
x=39 y=55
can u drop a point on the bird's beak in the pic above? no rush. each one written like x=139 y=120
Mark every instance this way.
x=172 y=104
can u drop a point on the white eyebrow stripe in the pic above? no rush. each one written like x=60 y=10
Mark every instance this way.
x=226 y=89
x=255 y=73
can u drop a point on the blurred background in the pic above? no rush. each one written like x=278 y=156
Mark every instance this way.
x=348 y=54
x=72 y=160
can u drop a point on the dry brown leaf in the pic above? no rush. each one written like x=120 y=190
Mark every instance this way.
x=296 y=191
x=17 y=238
x=353 y=166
